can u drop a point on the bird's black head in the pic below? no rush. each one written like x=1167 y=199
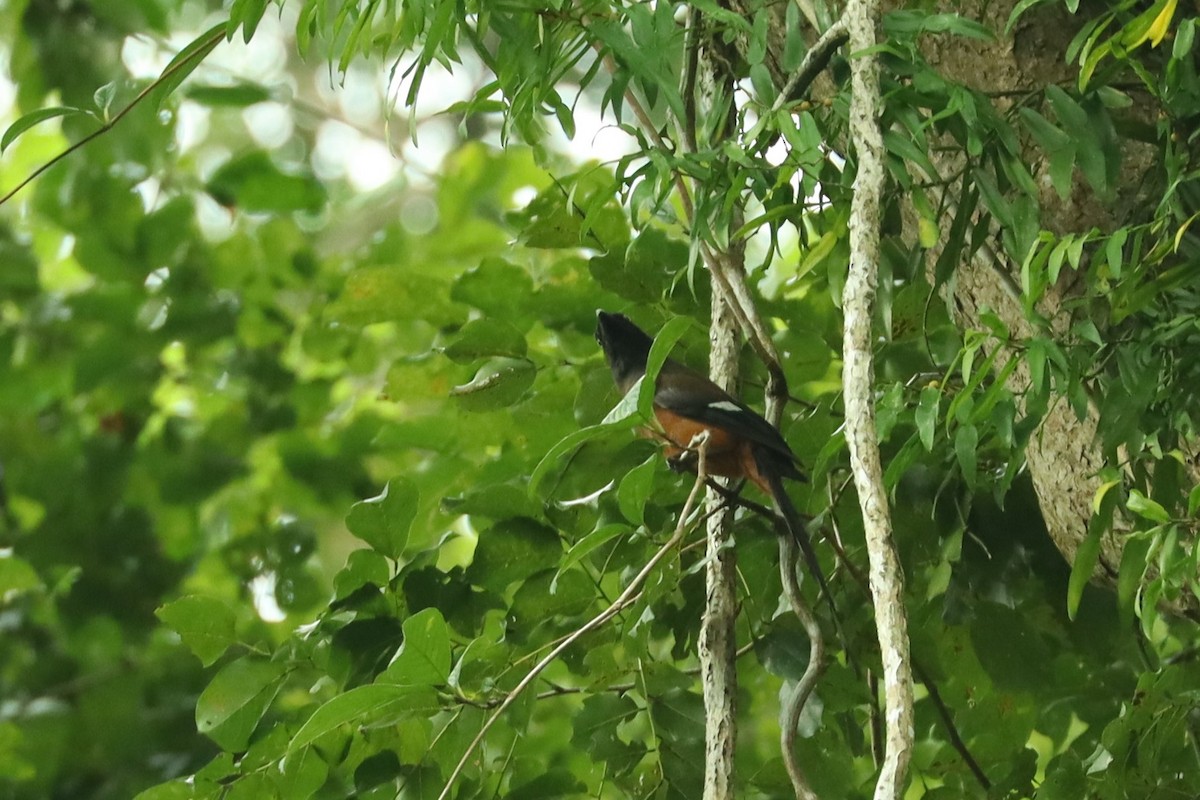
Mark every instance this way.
x=625 y=345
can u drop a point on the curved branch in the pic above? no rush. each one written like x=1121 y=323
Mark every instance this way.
x=788 y=559
x=815 y=60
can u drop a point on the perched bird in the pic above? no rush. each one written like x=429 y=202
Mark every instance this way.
x=741 y=443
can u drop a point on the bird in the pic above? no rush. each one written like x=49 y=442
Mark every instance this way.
x=741 y=443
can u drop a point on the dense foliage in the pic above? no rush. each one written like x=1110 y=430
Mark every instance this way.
x=293 y=490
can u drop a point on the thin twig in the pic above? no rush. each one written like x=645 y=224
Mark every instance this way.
x=201 y=52
x=951 y=729
x=687 y=81
x=700 y=443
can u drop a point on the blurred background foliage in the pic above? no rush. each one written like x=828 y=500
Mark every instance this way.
x=281 y=351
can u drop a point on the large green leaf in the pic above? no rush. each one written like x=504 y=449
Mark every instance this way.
x=205 y=624
x=384 y=521
x=253 y=182
x=229 y=709
x=424 y=658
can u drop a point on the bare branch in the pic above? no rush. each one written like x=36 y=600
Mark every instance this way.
x=887 y=579
x=815 y=60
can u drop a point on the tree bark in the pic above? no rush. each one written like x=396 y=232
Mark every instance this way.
x=886 y=574
x=1064 y=456
x=718 y=645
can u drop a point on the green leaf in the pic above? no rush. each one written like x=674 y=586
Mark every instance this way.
x=1050 y=138
x=1036 y=356
x=27 y=121
x=494 y=501
x=229 y=709
x=555 y=226
x=499 y=383
x=909 y=23
x=588 y=544
x=1134 y=561
x=926 y=415
x=245 y=14
x=1064 y=777
x=783 y=648
x=617 y=420
x=996 y=203
x=364 y=567
x=764 y=86
x=496 y=287
x=1185 y=35
x=374 y=294
x=1087 y=555
x=511 y=551
x=185 y=63
x=1089 y=147
x=908 y=150
x=252 y=182
x=966 y=449
x=1114 y=250
x=1009 y=647
x=1059 y=146
x=361 y=703
x=424 y=658
x=174 y=790
x=16 y=577
x=205 y=624
x=723 y=15
x=795 y=45
x=1062 y=170
x=1146 y=508
x=103 y=98
x=595 y=726
x=635 y=489
x=648 y=67
x=239 y=95
x=645 y=270
x=660 y=351
x=384 y=521
x=252 y=786
x=484 y=337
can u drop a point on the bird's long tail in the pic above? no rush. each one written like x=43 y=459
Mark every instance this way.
x=790 y=520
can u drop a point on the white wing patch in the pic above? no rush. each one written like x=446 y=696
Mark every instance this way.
x=725 y=405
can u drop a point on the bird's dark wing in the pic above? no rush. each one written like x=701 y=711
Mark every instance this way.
x=687 y=393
